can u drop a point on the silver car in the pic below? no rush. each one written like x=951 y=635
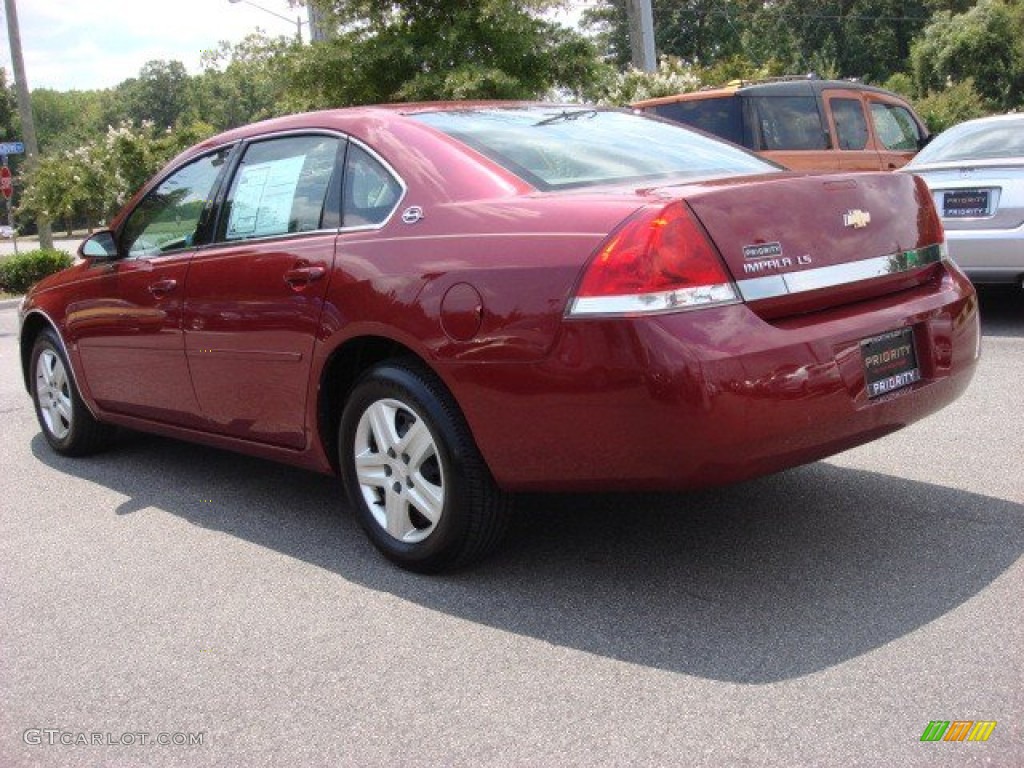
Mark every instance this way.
x=975 y=171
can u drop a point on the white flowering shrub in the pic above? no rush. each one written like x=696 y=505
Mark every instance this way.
x=672 y=76
x=94 y=180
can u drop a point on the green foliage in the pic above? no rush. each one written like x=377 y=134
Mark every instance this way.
x=985 y=43
x=66 y=119
x=423 y=50
x=8 y=108
x=901 y=83
x=701 y=32
x=953 y=105
x=159 y=95
x=21 y=272
x=839 y=38
x=245 y=82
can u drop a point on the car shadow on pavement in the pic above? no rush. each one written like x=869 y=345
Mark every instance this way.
x=1002 y=310
x=764 y=581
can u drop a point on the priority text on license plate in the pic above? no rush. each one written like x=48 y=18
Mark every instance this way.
x=965 y=203
x=890 y=362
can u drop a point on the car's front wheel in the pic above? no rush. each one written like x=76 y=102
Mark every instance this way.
x=67 y=425
x=414 y=475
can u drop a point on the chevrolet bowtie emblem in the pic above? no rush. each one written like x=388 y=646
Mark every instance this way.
x=857 y=219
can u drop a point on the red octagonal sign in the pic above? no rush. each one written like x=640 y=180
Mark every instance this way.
x=6 y=182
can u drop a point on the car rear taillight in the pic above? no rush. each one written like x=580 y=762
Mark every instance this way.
x=929 y=225
x=659 y=260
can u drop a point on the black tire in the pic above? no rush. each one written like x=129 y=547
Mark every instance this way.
x=67 y=424
x=447 y=511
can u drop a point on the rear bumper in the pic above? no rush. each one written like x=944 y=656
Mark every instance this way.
x=988 y=255
x=711 y=396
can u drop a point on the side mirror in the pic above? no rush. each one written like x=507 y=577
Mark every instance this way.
x=99 y=247
x=924 y=141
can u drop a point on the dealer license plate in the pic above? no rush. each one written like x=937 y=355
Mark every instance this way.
x=965 y=204
x=890 y=362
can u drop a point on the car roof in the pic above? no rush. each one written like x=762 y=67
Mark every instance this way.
x=358 y=120
x=1007 y=118
x=789 y=86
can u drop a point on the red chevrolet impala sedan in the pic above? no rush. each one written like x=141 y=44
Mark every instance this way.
x=445 y=304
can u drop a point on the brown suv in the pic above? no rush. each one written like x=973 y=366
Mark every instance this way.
x=804 y=123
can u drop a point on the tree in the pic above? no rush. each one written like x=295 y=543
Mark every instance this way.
x=441 y=49
x=698 y=31
x=8 y=109
x=868 y=39
x=160 y=94
x=244 y=82
x=985 y=44
x=858 y=38
x=66 y=119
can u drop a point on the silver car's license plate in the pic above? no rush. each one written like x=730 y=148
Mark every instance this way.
x=965 y=203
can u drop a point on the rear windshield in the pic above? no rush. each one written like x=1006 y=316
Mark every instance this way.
x=555 y=148
x=976 y=141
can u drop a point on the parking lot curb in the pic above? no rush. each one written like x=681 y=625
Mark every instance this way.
x=10 y=303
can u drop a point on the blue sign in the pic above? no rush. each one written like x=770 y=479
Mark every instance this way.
x=12 y=148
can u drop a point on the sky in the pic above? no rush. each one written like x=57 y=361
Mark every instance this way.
x=87 y=44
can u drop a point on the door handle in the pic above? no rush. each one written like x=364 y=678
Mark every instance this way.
x=163 y=287
x=299 y=276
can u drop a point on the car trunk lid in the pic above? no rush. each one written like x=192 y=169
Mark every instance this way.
x=799 y=243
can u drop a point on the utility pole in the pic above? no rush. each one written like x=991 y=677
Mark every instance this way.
x=641 y=34
x=318 y=24
x=28 y=125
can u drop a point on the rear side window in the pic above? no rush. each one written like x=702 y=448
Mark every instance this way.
x=788 y=122
x=722 y=117
x=983 y=140
x=371 y=192
x=851 y=127
x=895 y=127
x=280 y=187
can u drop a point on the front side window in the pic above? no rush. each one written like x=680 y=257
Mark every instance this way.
x=851 y=127
x=169 y=218
x=789 y=123
x=281 y=187
x=895 y=127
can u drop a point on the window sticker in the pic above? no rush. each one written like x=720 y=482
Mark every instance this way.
x=263 y=197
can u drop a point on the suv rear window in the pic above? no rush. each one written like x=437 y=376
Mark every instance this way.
x=722 y=117
x=564 y=147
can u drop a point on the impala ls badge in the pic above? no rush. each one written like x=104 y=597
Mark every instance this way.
x=857 y=219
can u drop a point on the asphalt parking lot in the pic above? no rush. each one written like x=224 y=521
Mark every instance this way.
x=820 y=617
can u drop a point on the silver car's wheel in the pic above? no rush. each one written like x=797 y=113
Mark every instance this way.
x=67 y=424
x=414 y=475
x=399 y=469
x=53 y=394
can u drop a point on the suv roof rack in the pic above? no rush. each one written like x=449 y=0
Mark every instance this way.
x=780 y=79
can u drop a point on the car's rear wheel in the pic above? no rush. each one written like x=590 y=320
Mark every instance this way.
x=414 y=475
x=67 y=425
